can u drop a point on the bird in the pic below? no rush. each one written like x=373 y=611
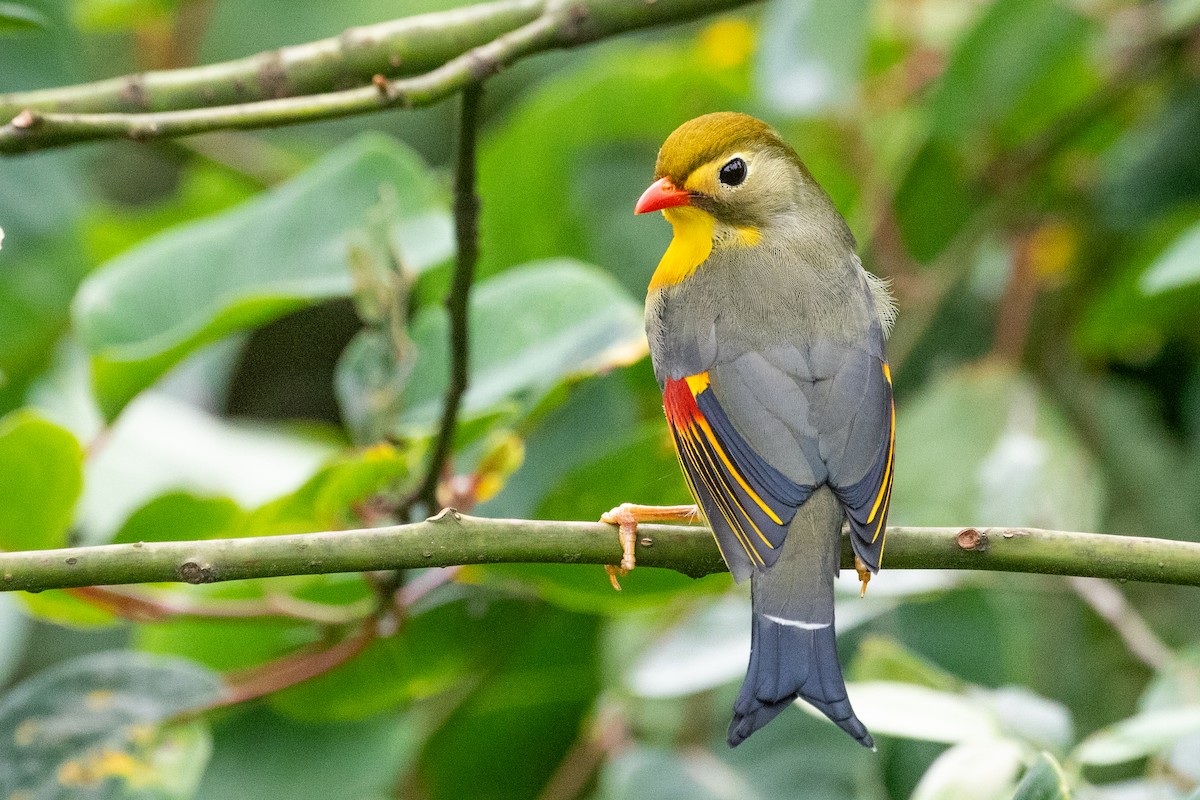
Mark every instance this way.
x=767 y=337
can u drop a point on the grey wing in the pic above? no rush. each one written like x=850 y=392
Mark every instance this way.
x=820 y=412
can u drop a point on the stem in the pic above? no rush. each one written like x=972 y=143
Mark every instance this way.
x=142 y=606
x=1108 y=601
x=294 y=668
x=451 y=538
x=407 y=46
x=34 y=130
x=37 y=123
x=466 y=230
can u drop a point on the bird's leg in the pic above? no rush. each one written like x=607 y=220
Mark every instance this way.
x=864 y=574
x=626 y=517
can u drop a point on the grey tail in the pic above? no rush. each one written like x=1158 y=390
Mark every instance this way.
x=785 y=663
x=792 y=648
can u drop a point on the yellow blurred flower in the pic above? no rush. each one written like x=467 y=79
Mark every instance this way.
x=727 y=43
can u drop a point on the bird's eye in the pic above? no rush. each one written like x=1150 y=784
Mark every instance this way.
x=734 y=172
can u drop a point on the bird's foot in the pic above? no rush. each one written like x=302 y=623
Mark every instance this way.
x=626 y=517
x=864 y=575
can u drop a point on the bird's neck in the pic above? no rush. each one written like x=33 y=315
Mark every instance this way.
x=696 y=233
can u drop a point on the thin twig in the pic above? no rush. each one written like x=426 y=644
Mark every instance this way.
x=1110 y=603
x=406 y=46
x=418 y=588
x=466 y=230
x=294 y=668
x=596 y=743
x=183 y=104
x=451 y=538
x=33 y=130
x=144 y=606
x=1015 y=311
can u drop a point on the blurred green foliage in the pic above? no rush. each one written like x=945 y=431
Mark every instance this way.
x=242 y=335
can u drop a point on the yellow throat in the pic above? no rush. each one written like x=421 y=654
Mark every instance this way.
x=691 y=244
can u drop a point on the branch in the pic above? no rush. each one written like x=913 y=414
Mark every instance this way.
x=466 y=230
x=451 y=538
x=407 y=46
x=542 y=26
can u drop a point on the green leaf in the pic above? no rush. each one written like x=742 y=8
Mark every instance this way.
x=62 y=607
x=327 y=500
x=1122 y=322
x=1023 y=94
x=794 y=756
x=179 y=516
x=99 y=727
x=1043 y=780
x=41 y=478
x=117 y=15
x=435 y=650
x=1178 y=15
x=163 y=445
x=639 y=771
x=204 y=188
x=369 y=382
x=1139 y=736
x=933 y=201
x=41 y=200
x=14 y=634
x=1139 y=453
x=527 y=711
x=811 y=53
x=1016 y=460
x=976 y=770
x=17 y=18
x=707 y=648
x=228 y=644
x=258 y=754
x=532 y=327
x=556 y=443
x=1178 y=265
x=1155 y=165
x=1029 y=717
x=149 y=307
x=909 y=711
x=882 y=658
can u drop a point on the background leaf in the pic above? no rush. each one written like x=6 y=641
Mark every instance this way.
x=162 y=445
x=92 y=728
x=1028 y=466
x=1043 y=780
x=145 y=310
x=531 y=328
x=1179 y=264
x=1139 y=736
x=811 y=53
x=979 y=770
x=17 y=17
x=41 y=477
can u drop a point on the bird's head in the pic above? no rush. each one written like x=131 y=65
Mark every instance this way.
x=727 y=180
x=732 y=167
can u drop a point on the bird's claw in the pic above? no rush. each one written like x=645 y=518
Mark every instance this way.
x=626 y=520
x=614 y=573
x=864 y=575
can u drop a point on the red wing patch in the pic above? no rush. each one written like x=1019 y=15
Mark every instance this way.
x=748 y=503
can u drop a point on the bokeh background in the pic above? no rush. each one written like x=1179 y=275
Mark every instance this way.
x=240 y=334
